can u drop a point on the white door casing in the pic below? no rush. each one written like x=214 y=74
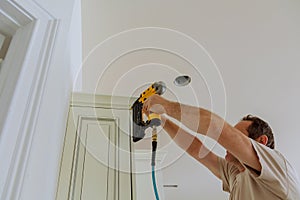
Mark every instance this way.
x=35 y=87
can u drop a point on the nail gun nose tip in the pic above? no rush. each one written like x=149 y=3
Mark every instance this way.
x=160 y=87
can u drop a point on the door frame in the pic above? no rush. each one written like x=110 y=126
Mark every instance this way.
x=37 y=31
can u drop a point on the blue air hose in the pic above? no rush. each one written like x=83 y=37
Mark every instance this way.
x=154 y=146
x=154 y=183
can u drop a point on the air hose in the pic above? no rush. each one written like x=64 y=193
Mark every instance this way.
x=154 y=146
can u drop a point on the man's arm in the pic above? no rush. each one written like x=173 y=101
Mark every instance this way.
x=207 y=123
x=191 y=145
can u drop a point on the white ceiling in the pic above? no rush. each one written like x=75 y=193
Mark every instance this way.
x=243 y=57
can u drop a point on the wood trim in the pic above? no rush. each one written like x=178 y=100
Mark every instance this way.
x=104 y=101
x=23 y=76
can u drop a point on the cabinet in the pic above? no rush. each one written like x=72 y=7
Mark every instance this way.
x=97 y=154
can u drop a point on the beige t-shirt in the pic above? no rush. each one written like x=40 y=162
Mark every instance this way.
x=277 y=180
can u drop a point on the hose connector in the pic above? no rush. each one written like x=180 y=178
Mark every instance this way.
x=154 y=144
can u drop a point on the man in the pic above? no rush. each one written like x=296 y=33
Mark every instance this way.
x=251 y=170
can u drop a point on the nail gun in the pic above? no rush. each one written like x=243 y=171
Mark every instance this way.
x=139 y=124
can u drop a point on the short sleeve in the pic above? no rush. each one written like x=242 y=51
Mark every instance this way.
x=274 y=171
x=228 y=174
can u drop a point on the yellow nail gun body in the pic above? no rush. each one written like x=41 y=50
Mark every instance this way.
x=139 y=124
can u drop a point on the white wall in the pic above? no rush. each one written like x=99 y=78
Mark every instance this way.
x=254 y=46
x=75 y=46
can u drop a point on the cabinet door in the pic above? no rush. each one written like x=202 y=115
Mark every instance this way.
x=97 y=161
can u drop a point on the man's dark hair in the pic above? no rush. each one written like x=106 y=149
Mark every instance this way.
x=259 y=127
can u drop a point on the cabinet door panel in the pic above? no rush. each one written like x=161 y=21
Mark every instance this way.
x=96 y=164
x=98 y=141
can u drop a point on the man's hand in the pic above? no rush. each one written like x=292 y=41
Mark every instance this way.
x=155 y=104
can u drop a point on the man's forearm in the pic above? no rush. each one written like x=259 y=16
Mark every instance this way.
x=183 y=139
x=197 y=119
x=192 y=145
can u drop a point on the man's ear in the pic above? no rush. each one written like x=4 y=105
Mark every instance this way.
x=263 y=139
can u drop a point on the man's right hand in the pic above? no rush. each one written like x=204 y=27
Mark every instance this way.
x=156 y=104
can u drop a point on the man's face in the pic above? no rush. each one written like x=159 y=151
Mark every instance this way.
x=241 y=126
